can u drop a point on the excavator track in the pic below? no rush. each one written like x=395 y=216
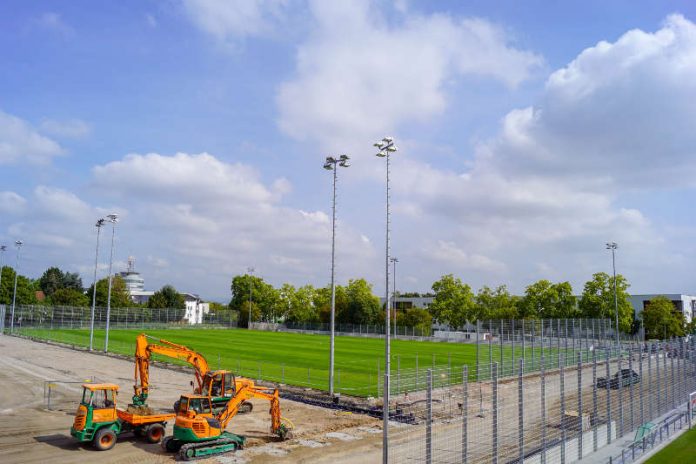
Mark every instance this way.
x=193 y=451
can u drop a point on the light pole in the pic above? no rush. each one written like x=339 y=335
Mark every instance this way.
x=2 y=265
x=18 y=244
x=99 y=224
x=113 y=219
x=386 y=147
x=394 y=260
x=332 y=164
x=250 y=271
x=613 y=246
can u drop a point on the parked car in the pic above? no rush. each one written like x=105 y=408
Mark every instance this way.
x=624 y=378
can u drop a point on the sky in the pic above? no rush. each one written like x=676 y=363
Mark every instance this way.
x=529 y=135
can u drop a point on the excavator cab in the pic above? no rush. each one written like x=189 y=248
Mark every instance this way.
x=219 y=384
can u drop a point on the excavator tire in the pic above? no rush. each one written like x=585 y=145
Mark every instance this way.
x=154 y=433
x=104 y=440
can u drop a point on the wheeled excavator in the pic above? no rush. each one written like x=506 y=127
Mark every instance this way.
x=219 y=385
x=199 y=432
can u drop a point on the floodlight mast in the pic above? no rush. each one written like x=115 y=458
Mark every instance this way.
x=613 y=246
x=98 y=225
x=386 y=147
x=332 y=164
x=113 y=219
x=18 y=244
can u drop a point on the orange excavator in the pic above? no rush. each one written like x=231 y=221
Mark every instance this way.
x=200 y=432
x=219 y=385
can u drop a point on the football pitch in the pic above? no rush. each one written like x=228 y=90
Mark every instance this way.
x=303 y=359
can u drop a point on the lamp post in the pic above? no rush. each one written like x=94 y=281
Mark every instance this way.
x=386 y=147
x=113 y=219
x=332 y=164
x=18 y=244
x=394 y=260
x=613 y=246
x=2 y=265
x=250 y=271
x=99 y=224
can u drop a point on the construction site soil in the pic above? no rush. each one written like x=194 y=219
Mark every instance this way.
x=30 y=432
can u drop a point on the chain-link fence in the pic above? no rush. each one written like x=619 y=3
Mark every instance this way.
x=561 y=413
x=69 y=317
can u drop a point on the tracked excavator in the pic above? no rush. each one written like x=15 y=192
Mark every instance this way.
x=199 y=432
x=219 y=385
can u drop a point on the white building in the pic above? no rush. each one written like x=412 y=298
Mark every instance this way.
x=195 y=308
x=685 y=304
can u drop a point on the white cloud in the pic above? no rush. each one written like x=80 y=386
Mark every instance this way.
x=54 y=21
x=20 y=142
x=71 y=128
x=11 y=203
x=358 y=75
x=230 y=20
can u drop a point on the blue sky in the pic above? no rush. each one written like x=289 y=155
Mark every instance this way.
x=530 y=133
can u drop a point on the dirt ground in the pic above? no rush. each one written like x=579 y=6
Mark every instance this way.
x=30 y=433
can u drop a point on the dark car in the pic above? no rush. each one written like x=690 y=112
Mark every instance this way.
x=624 y=378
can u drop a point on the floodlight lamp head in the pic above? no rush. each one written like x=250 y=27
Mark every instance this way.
x=328 y=166
x=330 y=159
x=612 y=246
x=378 y=145
x=381 y=154
x=113 y=218
x=388 y=139
x=100 y=222
x=344 y=164
x=19 y=243
x=344 y=157
x=3 y=247
x=391 y=148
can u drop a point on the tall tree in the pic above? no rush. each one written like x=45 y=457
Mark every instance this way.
x=362 y=306
x=166 y=297
x=495 y=303
x=25 y=288
x=661 y=319
x=68 y=297
x=119 y=294
x=53 y=279
x=454 y=303
x=544 y=299
x=417 y=318
x=263 y=296
x=597 y=299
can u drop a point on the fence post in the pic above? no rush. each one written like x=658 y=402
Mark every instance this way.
x=640 y=387
x=674 y=399
x=465 y=413
x=579 y=355
x=650 y=381
x=429 y=420
x=543 y=410
x=416 y=371
x=630 y=386
x=512 y=330
x=520 y=411
x=494 y=384
x=490 y=348
x=523 y=337
x=561 y=363
x=478 y=346
x=398 y=374
x=620 y=392
x=500 y=342
x=594 y=399
x=608 y=387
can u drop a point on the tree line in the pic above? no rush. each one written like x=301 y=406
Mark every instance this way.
x=455 y=303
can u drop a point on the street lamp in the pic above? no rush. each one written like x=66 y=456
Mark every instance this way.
x=113 y=219
x=332 y=164
x=394 y=260
x=386 y=147
x=613 y=246
x=99 y=224
x=250 y=271
x=18 y=244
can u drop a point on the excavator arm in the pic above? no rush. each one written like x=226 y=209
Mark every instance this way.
x=143 y=355
x=247 y=391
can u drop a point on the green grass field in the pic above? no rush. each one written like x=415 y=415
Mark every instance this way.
x=303 y=359
x=682 y=451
